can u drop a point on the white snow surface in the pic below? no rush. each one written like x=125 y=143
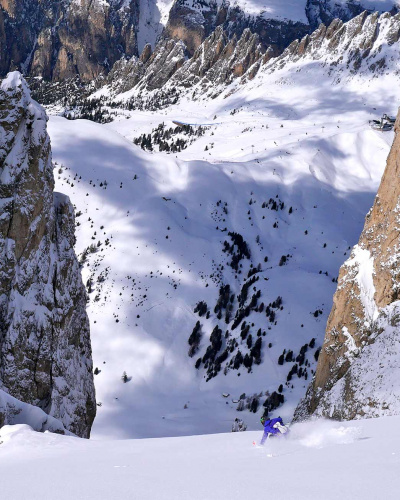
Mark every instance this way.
x=356 y=460
x=362 y=263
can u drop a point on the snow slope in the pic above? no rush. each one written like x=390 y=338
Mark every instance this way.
x=297 y=135
x=351 y=460
x=153 y=16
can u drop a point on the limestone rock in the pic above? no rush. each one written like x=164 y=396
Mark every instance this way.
x=45 y=352
x=353 y=375
x=58 y=40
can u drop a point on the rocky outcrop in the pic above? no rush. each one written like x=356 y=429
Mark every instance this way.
x=45 y=352
x=219 y=60
x=351 y=48
x=216 y=62
x=57 y=40
x=192 y=22
x=354 y=46
x=14 y=412
x=325 y=11
x=360 y=352
x=151 y=70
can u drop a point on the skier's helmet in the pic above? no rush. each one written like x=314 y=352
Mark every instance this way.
x=262 y=420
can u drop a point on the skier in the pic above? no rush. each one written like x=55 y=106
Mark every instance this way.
x=273 y=426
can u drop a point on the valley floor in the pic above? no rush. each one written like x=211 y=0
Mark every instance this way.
x=322 y=460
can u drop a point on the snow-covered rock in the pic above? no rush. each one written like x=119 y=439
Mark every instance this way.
x=45 y=352
x=15 y=412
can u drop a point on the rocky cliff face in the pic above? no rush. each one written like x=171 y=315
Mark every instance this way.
x=366 y=43
x=358 y=368
x=59 y=39
x=217 y=61
x=45 y=352
x=194 y=21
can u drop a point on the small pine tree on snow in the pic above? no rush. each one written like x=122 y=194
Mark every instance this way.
x=254 y=405
x=194 y=339
x=125 y=378
x=238 y=425
x=256 y=351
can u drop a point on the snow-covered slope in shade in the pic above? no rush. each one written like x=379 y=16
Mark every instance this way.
x=355 y=460
x=153 y=16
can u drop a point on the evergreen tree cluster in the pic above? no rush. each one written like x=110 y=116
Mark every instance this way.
x=224 y=307
x=69 y=93
x=251 y=403
x=201 y=309
x=244 y=310
x=272 y=307
x=92 y=109
x=160 y=99
x=194 y=339
x=299 y=360
x=211 y=361
x=238 y=249
x=273 y=402
x=272 y=204
x=224 y=303
x=284 y=260
x=169 y=139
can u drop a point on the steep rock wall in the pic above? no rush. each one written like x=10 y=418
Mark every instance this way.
x=59 y=39
x=361 y=353
x=45 y=352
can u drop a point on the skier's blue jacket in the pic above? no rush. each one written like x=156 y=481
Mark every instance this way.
x=270 y=429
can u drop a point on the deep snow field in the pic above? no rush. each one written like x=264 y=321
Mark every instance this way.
x=329 y=460
x=300 y=137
